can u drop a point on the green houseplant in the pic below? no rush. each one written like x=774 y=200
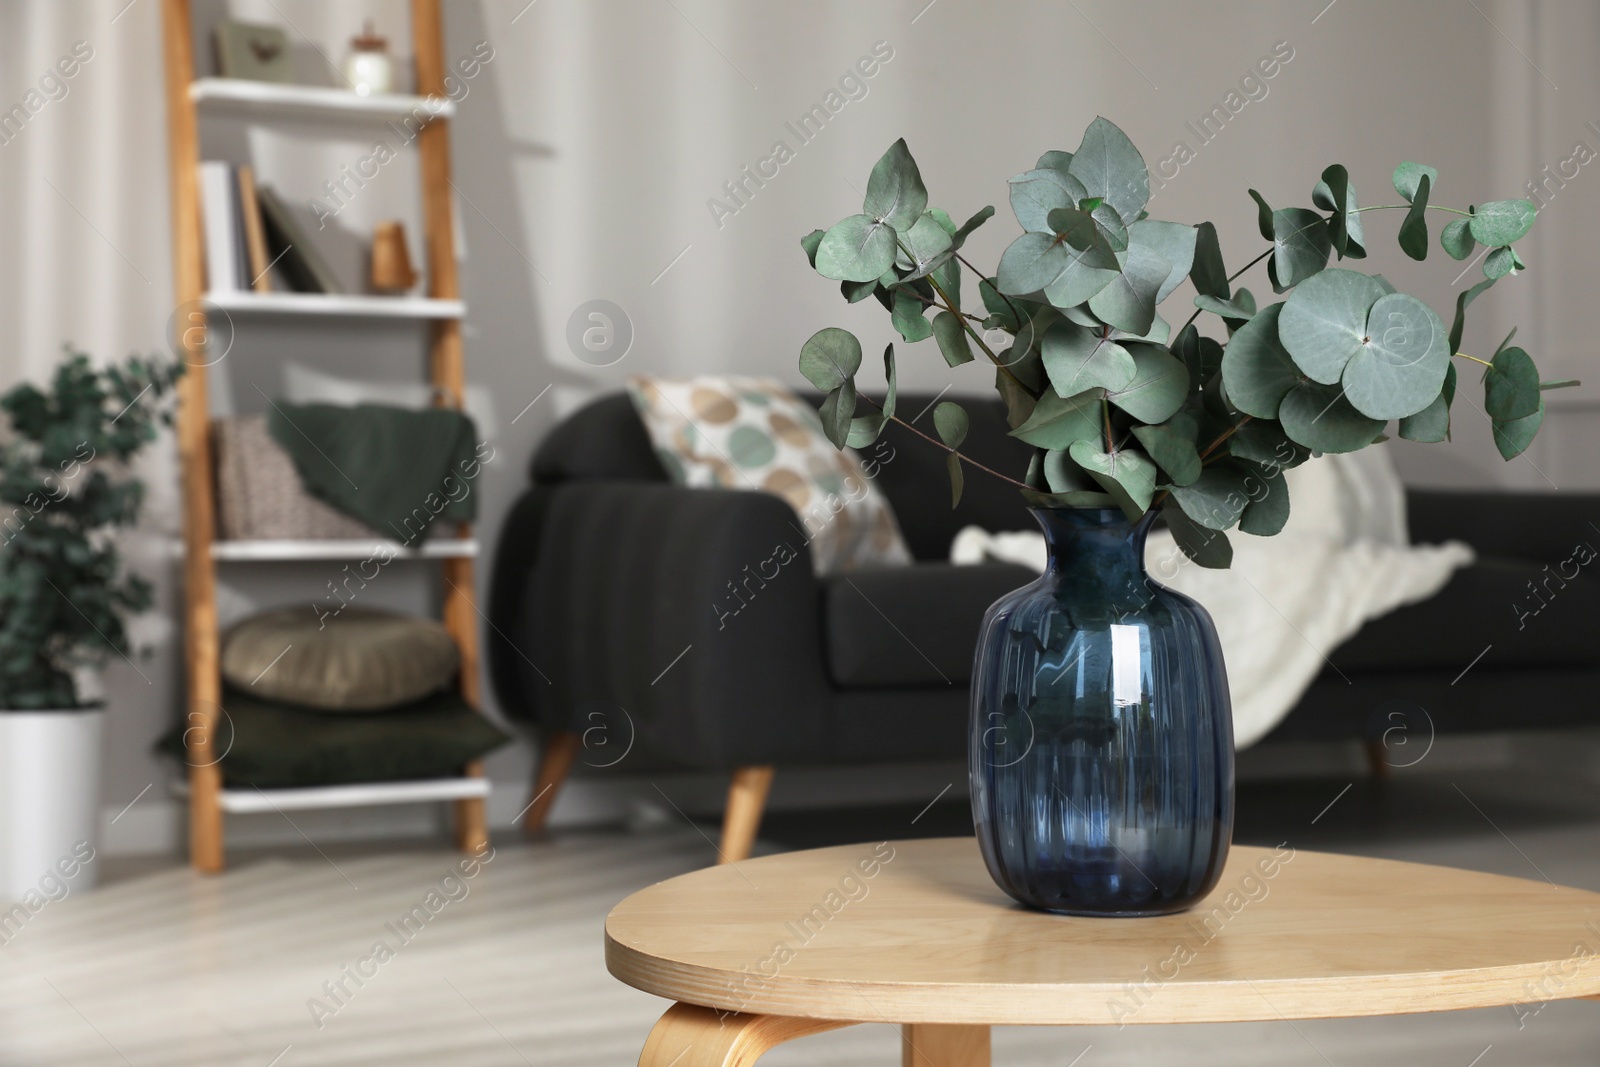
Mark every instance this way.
x=63 y=593
x=1115 y=683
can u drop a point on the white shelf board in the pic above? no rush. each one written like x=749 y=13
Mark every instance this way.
x=287 y=551
x=298 y=100
x=250 y=302
x=358 y=795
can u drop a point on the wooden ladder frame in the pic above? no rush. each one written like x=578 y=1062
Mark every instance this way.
x=447 y=373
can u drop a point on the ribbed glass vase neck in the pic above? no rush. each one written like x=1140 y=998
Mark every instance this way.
x=1094 y=541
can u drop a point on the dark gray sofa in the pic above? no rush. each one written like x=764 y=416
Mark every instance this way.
x=615 y=589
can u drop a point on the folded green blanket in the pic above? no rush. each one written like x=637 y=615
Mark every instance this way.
x=395 y=469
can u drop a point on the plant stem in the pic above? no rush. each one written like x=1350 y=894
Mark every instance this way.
x=932 y=303
x=1105 y=411
x=950 y=306
x=1016 y=312
x=1229 y=432
x=1231 y=277
x=1475 y=359
x=935 y=441
x=1252 y=263
x=1407 y=207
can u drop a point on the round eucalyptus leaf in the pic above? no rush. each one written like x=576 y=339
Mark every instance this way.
x=1056 y=422
x=1208 y=548
x=952 y=337
x=1217 y=498
x=1499 y=263
x=1320 y=418
x=950 y=419
x=1301 y=245
x=1077 y=359
x=856 y=249
x=1127 y=474
x=1129 y=302
x=1456 y=239
x=1324 y=321
x=1172 y=449
x=1408 y=175
x=1268 y=509
x=1210 y=277
x=1401 y=368
x=925 y=247
x=1159 y=385
x=1063 y=475
x=895 y=193
x=1030 y=263
x=1036 y=193
x=1428 y=426
x=1110 y=167
x=1078 y=282
x=1257 y=370
x=836 y=412
x=1414 y=230
x=1511 y=386
x=810 y=242
x=1500 y=222
x=1263 y=441
x=830 y=357
x=907 y=317
x=1055 y=160
x=1174 y=242
x=1513 y=438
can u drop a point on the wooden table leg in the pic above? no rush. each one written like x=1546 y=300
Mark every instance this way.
x=942 y=1045
x=691 y=1036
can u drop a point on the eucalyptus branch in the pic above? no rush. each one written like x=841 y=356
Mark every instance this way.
x=933 y=303
x=1229 y=432
x=1016 y=312
x=1407 y=207
x=955 y=451
x=950 y=306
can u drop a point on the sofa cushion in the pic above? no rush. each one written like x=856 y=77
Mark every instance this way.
x=1489 y=605
x=910 y=626
x=730 y=432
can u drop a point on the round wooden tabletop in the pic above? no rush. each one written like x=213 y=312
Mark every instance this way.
x=915 y=932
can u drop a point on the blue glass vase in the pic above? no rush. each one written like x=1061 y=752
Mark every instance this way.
x=1102 y=736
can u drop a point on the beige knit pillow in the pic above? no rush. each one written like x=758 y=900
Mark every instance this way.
x=753 y=433
x=356 y=660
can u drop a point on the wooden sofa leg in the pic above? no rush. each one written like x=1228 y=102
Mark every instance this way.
x=556 y=756
x=747 y=797
x=1377 y=763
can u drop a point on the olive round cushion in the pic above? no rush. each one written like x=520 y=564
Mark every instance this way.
x=357 y=660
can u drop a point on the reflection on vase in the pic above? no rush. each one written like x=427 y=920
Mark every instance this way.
x=1102 y=738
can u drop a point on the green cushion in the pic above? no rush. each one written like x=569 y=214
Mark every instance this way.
x=280 y=746
x=354 y=660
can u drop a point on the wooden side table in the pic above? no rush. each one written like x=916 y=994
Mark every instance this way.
x=915 y=933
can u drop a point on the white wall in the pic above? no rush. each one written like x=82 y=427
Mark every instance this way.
x=587 y=150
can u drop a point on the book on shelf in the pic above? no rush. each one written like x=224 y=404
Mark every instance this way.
x=248 y=230
x=255 y=237
x=299 y=263
x=219 y=219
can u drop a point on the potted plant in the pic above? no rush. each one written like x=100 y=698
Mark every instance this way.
x=1123 y=801
x=64 y=597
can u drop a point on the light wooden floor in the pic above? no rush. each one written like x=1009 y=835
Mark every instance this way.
x=161 y=967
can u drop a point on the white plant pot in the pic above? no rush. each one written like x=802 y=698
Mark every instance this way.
x=49 y=800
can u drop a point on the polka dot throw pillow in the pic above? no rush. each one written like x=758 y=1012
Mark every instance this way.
x=754 y=433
